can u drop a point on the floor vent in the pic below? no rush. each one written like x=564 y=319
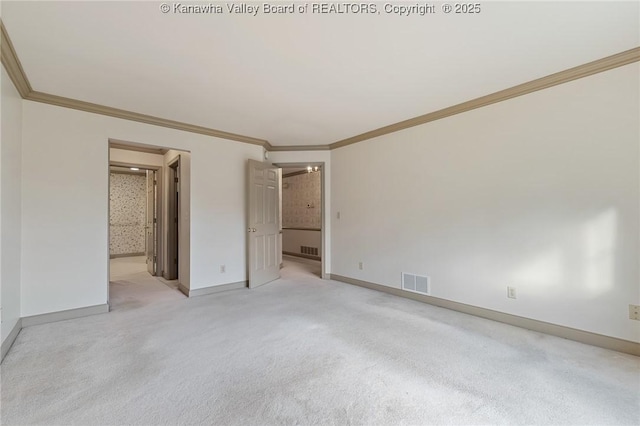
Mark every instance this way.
x=309 y=250
x=416 y=283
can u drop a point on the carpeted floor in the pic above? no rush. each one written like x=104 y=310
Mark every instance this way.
x=131 y=286
x=305 y=351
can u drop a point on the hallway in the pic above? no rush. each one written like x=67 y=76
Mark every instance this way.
x=131 y=286
x=299 y=268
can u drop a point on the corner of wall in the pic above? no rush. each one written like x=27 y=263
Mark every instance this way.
x=10 y=209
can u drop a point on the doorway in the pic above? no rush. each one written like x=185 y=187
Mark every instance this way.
x=135 y=208
x=134 y=213
x=141 y=275
x=303 y=219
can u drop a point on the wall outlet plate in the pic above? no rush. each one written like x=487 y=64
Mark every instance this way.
x=511 y=292
x=360 y=266
x=634 y=312
x=223 y=269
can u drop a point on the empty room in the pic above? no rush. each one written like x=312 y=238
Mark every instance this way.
x=327 y=213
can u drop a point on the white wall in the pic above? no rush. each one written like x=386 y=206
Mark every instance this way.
x=135 y=157
x=65 y=223
x=540 y=192
x=295 y=157
x=10 y=203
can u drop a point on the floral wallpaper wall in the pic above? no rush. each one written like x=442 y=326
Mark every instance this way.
x=301 y=201
x=128 y=198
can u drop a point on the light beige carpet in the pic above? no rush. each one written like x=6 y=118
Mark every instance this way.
x=305 y=351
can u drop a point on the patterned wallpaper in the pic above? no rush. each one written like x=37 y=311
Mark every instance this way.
x=128 y=198
x=302 y=190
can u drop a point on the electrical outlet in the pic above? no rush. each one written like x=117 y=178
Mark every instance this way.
x=634 y=312
x=360 y=266
x=511 y=292
x=338 y=215
x=223 y=269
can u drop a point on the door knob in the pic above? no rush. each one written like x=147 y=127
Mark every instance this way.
x=254 y=229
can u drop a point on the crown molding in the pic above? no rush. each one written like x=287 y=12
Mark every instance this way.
x=585 y=70
x=299 y=148
x=21 y=82
x=12 y=64
x=142 y=118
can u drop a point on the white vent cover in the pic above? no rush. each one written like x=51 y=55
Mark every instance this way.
x=416 y=283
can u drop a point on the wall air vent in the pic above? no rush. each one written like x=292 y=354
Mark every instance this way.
x=309 y=250
x=416 y=283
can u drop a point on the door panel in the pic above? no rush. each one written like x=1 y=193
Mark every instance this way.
x=264 y=223
x=271 y=201
x=272 y=251
x=258 y=217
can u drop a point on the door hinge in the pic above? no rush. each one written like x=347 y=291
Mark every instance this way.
x=176 y=180
x=155 y=220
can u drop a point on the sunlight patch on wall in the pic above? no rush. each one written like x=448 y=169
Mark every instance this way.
x=542 y=271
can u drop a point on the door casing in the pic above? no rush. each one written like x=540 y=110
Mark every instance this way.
x=151 y=225
x=171 y=270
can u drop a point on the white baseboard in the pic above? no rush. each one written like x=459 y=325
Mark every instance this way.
x=581 y=336
x=8 y=342
x=213 y=289
x=64 y=315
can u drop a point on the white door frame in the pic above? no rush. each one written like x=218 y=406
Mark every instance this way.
x=323 y=220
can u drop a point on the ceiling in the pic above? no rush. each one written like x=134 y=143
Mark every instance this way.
x=303 y=79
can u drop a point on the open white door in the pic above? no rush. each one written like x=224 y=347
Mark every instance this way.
x=263 y=223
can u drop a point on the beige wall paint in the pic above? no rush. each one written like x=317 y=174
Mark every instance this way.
x=10 y=204
x=292 y=239
x=539 y=192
